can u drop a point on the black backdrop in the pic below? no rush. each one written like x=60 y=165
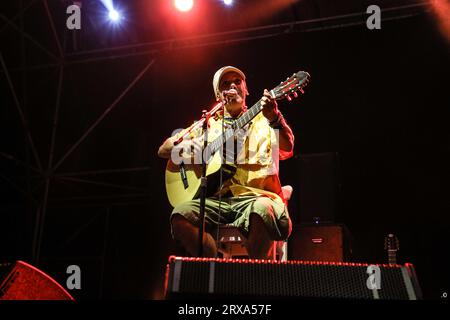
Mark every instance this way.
x=378 y=98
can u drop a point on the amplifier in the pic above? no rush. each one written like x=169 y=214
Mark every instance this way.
x=322 y=242
x=219 y=278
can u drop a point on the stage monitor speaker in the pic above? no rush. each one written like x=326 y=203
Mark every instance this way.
x=204 y=278
x=318 y=187
x=326 y=242
x=21 y=281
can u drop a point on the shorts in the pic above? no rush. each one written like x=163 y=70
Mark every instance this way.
x=236 y=211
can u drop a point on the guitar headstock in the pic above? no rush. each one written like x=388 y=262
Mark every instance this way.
x=391 y=243
x=290 y=87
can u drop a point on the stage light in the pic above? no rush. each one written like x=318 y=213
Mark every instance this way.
x=114 y=15
x=441 y=11
x=184 y=5
x=228 y=2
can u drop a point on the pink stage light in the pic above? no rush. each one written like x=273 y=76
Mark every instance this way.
x=184 y=5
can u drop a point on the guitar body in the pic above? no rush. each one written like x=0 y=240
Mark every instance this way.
x=177 y=193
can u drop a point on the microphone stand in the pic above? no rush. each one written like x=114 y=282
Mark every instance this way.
x=212 y=112
x=203 y=184
x=197 y=124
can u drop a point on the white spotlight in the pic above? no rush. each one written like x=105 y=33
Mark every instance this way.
x=228 y=2
x=114 y=15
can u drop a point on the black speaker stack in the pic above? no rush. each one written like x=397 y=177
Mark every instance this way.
x=22 y=281
x=220 y=278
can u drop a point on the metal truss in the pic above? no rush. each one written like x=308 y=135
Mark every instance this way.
x=47 y=172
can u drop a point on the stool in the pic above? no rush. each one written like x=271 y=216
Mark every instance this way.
x=231 y=243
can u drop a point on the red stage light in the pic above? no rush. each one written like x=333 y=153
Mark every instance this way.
x=441 y=11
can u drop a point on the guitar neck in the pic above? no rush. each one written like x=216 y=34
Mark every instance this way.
x=392 y=256
x=249 y=115
x=238 y=124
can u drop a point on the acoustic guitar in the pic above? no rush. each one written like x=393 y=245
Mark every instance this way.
x=391 y=244
x=183 y=180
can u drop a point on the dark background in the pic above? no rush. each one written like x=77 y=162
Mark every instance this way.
x=378 y=98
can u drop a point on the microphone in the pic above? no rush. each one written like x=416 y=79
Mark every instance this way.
x=229 y=92
x=229 y=95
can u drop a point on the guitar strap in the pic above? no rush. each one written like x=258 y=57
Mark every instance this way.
x=228 y=122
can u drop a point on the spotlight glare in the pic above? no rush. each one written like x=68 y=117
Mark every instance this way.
x=184 y=5
x=228 y=2
x=114 y=15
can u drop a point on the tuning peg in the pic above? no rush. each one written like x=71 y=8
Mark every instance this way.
x=301 y=90
x=295 y=94
x=288 y=97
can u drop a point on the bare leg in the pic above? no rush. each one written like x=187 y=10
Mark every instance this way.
x=187 y=234
x=259 y=244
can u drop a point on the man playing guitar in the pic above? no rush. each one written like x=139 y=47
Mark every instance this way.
x=252 y=198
